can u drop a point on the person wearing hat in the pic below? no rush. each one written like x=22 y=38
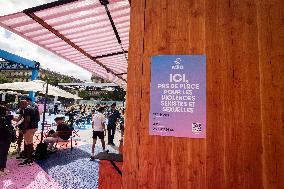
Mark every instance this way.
x=113 y=117
x=63 y=133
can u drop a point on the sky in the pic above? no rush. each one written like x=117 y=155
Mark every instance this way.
x=17 y=45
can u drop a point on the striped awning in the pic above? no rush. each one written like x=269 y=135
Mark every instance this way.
x=93 y=34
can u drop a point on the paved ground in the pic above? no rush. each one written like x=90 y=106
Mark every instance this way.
x=86 y=136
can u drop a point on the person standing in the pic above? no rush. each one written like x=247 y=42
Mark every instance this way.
x=98 y=125
x=50 y=109
x=5 y=138
x=55 y=109
x=71 y=115
x=21 y=125
x=30 y=127
x=35 y=107
x=113 y=117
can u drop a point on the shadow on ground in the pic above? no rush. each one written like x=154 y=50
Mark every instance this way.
x=72 y=169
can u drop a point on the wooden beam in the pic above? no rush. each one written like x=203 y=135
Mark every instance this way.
x=110 y=54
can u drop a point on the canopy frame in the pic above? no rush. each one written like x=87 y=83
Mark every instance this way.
x=31 y=14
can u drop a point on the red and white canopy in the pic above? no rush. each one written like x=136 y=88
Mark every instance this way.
x=93 y=34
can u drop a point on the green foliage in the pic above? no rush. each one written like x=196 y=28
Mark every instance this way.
x=116 y=95
x=119 y=94
x=5 y=80
x=54 y=79
x=85 y=95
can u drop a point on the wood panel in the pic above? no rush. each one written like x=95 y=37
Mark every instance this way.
x=133 y=98
x=235 y=95
x=271 y=66
x=243 y=149
x=109 y=178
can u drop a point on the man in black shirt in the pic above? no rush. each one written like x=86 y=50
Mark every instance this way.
x=71 y=115
x=113 y=117
x=36 y=119
x=63 y=133
x=29 y=129
x=55 y=109
x=35 y=107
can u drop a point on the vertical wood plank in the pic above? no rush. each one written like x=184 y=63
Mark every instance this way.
x=133 y=100
x=217 y=97
x=234 y=145
x=271 y=56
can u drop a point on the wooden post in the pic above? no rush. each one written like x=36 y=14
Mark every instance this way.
x=243 y=42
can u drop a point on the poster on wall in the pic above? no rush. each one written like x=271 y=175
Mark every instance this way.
x=178 y=96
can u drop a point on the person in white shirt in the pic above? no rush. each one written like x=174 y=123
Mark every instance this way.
x=98 y=124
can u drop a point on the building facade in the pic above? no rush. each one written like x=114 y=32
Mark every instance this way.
x=25 y=75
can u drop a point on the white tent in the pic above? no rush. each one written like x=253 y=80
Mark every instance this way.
x=38 y=86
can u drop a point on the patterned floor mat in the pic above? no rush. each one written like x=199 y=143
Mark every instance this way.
x=30 y=177
x=72 y=169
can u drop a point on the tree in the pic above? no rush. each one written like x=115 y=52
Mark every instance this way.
x=84 y=94
x=117 y=95
x=5 y=80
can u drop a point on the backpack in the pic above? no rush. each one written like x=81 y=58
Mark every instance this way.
x=41 y=151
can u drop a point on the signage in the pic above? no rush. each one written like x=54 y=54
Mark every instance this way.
x=178 y=96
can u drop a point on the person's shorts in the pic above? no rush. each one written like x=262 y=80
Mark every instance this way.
x=99 y=134
x=29 y=135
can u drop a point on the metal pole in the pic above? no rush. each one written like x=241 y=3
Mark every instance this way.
x=44 y=111
x=35 y=72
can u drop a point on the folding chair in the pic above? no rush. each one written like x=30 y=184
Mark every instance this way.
x=47 y=128
x=66 y=142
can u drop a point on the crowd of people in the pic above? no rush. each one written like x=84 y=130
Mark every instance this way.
x=103 y=118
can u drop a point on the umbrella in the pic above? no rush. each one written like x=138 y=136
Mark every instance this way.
x=38 y=86
x=42 y=87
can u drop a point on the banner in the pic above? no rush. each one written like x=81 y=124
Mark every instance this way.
x=178 y=96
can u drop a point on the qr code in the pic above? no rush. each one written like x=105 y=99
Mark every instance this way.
x=196 y=128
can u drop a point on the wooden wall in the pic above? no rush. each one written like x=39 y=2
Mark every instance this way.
x=244 y=44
